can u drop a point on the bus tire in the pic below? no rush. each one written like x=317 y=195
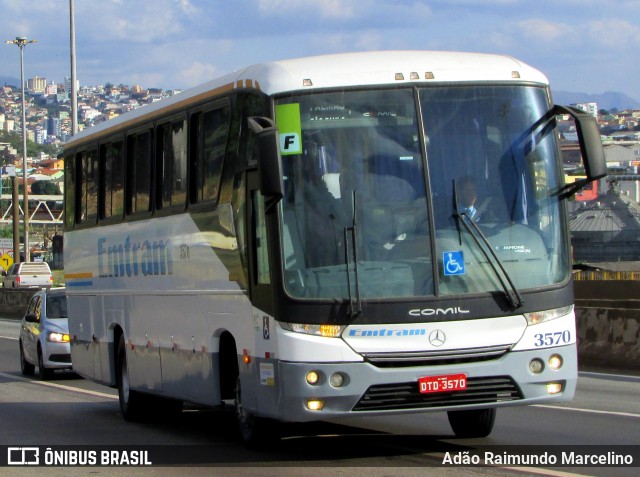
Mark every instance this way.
x=132 y=403
x=256 y=432
x=472 y=423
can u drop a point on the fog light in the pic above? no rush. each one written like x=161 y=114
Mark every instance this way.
x=315 y=405
x=312 y=377
x=536 y=366
x=554 y=388
x=555 y=361
x=336 y=380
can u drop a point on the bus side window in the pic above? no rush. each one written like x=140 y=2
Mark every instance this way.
x=171 y=164
x=88 y=187
x=138 y=173
x=209 y=133
x=111 y=180
x=70 y=191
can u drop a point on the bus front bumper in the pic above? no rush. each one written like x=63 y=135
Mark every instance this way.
x=364 y=389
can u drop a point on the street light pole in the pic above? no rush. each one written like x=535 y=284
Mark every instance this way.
x=21 y=42
x=74 y=93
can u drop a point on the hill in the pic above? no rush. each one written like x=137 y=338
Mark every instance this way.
x=6 y=80
x=608 y=100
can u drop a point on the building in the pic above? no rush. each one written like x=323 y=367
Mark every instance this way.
x=591 y=108
x=51 y=89
x=606 y=229
x=36 y=85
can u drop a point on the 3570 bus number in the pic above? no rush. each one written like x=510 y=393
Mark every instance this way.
x=444 y=383
x=552 y=339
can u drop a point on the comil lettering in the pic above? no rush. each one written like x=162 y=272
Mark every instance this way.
x=454 y=310
x=132 y=259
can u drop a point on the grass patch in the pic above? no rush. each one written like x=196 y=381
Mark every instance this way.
x=58 y=278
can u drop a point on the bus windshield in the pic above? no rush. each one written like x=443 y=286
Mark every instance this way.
x=377 y=183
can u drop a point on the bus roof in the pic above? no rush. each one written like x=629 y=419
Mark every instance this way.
x=381 y=67
x=337 y=70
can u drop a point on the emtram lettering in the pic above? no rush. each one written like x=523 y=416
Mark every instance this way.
x=387 y=332
x=131 y=259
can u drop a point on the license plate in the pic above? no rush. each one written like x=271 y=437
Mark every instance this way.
x=442 y=384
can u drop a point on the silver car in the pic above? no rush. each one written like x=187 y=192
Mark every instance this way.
x=44 y=334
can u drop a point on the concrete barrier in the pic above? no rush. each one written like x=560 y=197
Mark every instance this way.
x=13 y=302
x=608 y=320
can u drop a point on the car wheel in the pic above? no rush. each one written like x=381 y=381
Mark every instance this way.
x=25 y=366
x=45 y=373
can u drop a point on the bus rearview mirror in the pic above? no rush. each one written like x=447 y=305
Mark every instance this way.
x=590 y=142
x=269 y=163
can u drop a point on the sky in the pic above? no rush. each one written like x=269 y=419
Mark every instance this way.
x=583 y=46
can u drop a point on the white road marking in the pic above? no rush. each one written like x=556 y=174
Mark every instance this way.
x=59 y=386
x=593 y=411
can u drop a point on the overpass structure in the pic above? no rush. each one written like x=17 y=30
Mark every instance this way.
x=43 y=209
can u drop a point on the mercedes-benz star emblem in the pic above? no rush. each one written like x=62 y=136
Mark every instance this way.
x=437 y=338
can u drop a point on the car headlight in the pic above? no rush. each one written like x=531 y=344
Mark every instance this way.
x=327 y=331
x=537 y=317
x=55 y=337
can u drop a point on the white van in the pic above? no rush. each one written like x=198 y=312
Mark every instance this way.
x=27 y=275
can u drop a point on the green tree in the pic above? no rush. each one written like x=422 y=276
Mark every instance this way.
x=15 y=139
x=45 y=188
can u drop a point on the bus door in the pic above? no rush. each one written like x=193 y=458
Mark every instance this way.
x=260 y=287
x=261 y=291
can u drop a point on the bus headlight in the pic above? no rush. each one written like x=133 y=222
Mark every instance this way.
x=327 y=331
x=336 y=380
x=554 y=388
x=555 y=361
x=536 y=366
x=537 y=317
x=315 y=405
x=313 y=377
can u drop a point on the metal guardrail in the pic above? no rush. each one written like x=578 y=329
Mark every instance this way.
x=43 y=209
x=605 y=275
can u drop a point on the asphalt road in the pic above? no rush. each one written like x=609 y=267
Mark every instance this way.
x=70 y=411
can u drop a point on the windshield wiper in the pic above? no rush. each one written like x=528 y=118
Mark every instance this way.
x=485 y=247
x=354 y=309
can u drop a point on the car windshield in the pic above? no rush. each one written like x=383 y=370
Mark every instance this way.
x=56 y=306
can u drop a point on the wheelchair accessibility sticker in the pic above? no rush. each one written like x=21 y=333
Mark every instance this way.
x=453 y=263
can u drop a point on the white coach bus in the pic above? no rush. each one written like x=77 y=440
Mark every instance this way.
x=348 y=235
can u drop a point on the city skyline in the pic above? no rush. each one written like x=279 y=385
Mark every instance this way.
x=581 y=45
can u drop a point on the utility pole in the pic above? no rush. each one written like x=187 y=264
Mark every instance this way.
x=11 y=172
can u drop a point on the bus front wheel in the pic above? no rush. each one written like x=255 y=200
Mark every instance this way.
x=472 y=423
x=256 y=432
